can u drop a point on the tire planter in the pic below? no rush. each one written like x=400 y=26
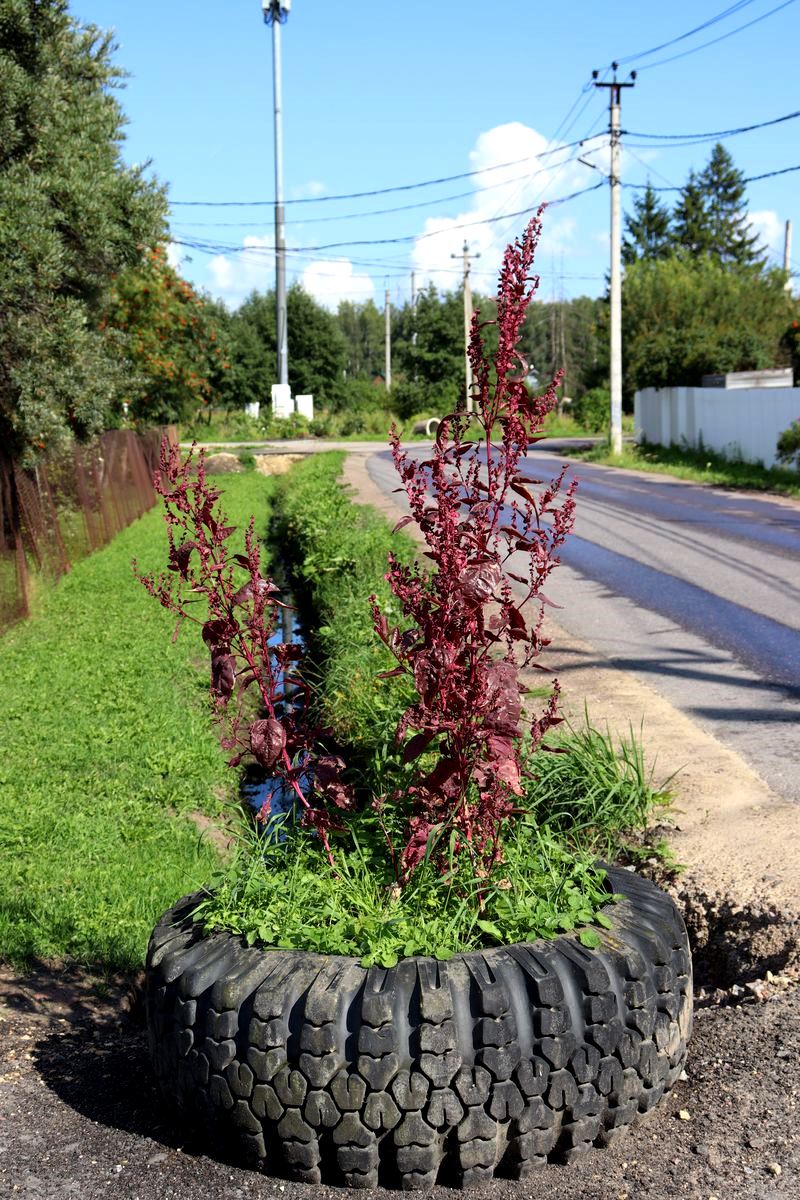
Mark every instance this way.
x=495 y=1062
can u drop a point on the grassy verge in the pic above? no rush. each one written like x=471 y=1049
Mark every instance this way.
x=578 y=804
x=107 y=748
x=702 y=466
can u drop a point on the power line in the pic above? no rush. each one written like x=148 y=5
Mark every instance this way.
x=728 y=12
x=412 y=237
x=403 y=187
x=748 y=179
x=713 y=42
x=378 y=212
x=714 y=133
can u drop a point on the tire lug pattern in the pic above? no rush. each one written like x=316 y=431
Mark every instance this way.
x=495 y=1062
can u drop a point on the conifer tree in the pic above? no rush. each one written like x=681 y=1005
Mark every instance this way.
x=710 y=218
x=729 y=233
x=647 y=229
x=689 y=223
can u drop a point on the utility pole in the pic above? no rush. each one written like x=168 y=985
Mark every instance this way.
x=787 y=255
x=387 y=316
x=276 y=13
x=467 y=322
x=414 y=321
x=614 y=104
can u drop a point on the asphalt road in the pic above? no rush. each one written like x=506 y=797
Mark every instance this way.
x=694 y=589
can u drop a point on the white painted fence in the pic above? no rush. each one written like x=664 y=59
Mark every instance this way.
x=741 y=423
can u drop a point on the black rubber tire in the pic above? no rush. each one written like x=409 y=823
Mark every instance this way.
x=492 y=1063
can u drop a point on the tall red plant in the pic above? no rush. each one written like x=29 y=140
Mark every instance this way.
x=240 y=606
x=485 y=526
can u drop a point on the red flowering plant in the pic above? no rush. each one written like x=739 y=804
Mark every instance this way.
x=468 y=631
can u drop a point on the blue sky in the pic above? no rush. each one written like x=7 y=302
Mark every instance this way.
x=379 y=94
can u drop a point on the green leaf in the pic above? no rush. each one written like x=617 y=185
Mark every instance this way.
x=589 y=938
x=490 y=928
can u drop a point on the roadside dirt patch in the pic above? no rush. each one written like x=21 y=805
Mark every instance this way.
x=223 y=464
x=80 y=1115
x=276 y=464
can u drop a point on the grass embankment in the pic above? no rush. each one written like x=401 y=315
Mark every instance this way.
x=107 y=746
x=701 y=466
x=577 y=804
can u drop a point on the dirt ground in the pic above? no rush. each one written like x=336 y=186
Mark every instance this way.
x=79 y=1114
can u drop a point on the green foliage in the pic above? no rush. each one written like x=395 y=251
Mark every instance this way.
x=788 y=448
x=107 y=747
x=337 y=554
x=436 y=355
x=647 y=229
x=409 y=398
x=702 y=466
x=790 y=344
x=362 y=327
x=317 y=349
x=710 y=218
x=174 y=341
x=71 y=216
x=684 y=318
x=592 y=410
x=283 y=894
x=568 y=335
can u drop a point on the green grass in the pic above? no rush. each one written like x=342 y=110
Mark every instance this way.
x=702 y=466
x=338 y=552
x=286 y=895
x=107 y=746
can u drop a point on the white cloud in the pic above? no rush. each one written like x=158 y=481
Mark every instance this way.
x=234 y=277
x=175 y=256
x=770 y=229
x=501 y=190
x=312 y=189
x=330 y=281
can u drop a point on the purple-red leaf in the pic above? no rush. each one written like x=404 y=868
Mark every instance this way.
x=267 y=741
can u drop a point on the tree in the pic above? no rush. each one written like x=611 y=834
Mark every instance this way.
x=568 y=335
x=429 y=339
x=71 y=217
x=689 y=226
x=175 y=341
x=710 y=217
x=362 y=327
x=684 y=318
x=317 y=348
x=647 y=229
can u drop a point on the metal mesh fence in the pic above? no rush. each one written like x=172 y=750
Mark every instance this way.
x=53 y=515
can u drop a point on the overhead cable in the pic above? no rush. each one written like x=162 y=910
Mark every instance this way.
x=727 y=12
x=402 y=187
x=749 y=179
x=713 y=133
x=713 y=42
